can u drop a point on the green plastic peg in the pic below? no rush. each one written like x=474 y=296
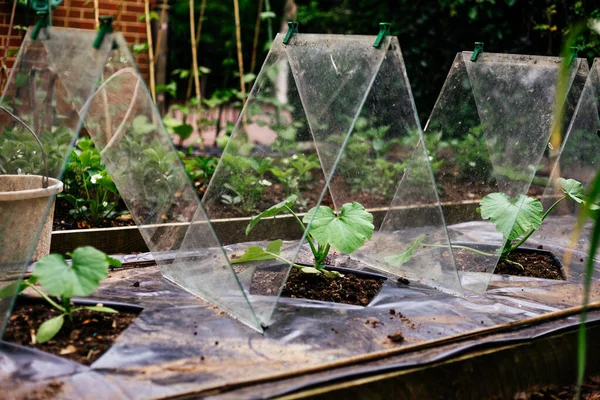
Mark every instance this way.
x=105 y=28
x=292 y=28
x=477 y=51
x=574 y=54
x=42 y=23
x=42 y=5
x=384 y=30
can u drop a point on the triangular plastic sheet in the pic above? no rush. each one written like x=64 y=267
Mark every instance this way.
x=491 y=125
x=49 y=82
x=579 y=159
x=385 y=165
x=138 y=152
x=301 y=110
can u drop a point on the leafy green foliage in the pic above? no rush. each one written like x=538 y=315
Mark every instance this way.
x=346 y=232
x=89 y=188
x=81 y=278
x=20 y=153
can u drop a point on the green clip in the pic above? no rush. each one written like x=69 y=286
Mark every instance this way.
x=477 y=51
x=105 y=28
x=292 y=28
x=42 y=23
x=384 y=30
x=573 y=56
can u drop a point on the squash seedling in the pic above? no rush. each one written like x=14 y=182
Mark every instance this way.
x=59 y=279
x=346 y=232
x=515 y=219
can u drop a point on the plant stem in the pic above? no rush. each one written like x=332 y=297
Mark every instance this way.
x=238 y=34
x=256 y=32
x=483 y=253
x=163 y=15
x=150 y=50
x=45 y=297
x=309 y=238
x=284 y=260
x=194 y=53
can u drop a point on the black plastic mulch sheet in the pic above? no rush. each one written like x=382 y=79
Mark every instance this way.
x=180 y=344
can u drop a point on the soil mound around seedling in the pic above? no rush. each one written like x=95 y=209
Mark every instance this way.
x=351 y=289
x=82 y=340
x=535 y=264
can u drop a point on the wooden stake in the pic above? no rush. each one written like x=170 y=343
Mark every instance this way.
x=256 y=32
x=238 y=34
x=150 y=50
x=188 y=92
x=194 y=52
x=96 y=14
x=163 y=14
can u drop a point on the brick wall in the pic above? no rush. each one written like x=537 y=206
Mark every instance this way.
x=80 y=14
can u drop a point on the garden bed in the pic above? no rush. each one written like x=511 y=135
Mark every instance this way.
x=182 y=346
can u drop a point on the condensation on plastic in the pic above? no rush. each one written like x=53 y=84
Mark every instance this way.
x=491 y=124
x=49 y=82
x=181 y=346
x=578 y=158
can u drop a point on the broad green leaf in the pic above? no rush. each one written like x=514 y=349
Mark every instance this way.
x=256 y=253
x=512 y=218
x=89 y=266
x=272 y=211
x=101 y=309
x=572 y=189
x=49 y=329
x=346 y=232
x=407 y=254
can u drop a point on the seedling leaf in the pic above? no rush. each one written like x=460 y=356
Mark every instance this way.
x=101 y=309
x=512 y=218
x=49 y=329
x=572 y=189
x=256 y=253
x=399 y=259
x=311 y=270
x=89 y=266
x=346 y=232
x=272 y=211
x=12 y=289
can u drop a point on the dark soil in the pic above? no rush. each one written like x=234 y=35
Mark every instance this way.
x=65 y=221
x=351 y=289
x=83 y=340
x=536 y=264
x=590 y=390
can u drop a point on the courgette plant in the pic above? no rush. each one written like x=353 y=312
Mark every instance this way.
x=346 y=232
x=63 y=281
x=515 y=219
